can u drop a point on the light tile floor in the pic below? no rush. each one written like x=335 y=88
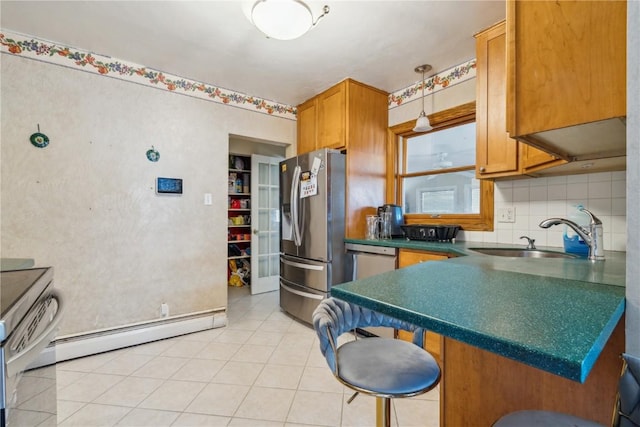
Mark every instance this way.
x=263 y=369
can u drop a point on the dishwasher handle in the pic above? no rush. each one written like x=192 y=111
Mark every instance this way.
x=354 y=265
x=371 y=249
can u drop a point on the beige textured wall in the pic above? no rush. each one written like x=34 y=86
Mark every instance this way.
x=86 y=204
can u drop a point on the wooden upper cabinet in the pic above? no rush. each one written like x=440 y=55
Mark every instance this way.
x=340 y=115
x=322 y=120
x=354 y=117
x=533 y=159
x=495 y=151
x=332 y=117
x=498 y=155
x=307 y=126
x=566 y=76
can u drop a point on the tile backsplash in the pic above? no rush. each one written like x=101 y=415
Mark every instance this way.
x=537 y=199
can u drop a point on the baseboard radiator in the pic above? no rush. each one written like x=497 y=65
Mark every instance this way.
x=73 y=346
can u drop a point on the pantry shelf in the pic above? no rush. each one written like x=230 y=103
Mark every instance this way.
x=239 y=220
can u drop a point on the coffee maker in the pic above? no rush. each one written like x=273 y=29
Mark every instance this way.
x=397 y=219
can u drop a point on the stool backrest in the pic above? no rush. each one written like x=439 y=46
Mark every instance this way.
x=627 y=412
x=333 y=317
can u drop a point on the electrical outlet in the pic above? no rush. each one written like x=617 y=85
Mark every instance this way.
x=164 y=309
x=507 y=214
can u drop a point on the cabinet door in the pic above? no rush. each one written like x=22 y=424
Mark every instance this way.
x=567 y=63
x=496 y=153
x=307 y=126
x=532 y=159
x=407 y=257
x=332 y=114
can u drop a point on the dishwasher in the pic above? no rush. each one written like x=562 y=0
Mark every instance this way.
x=366 y=261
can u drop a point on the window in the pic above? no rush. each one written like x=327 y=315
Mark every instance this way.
x=436 y=199
x=433 y=173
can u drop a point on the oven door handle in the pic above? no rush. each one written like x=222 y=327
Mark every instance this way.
x=19 y=362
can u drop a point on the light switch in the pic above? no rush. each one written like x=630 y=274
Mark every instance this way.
x=207 y=199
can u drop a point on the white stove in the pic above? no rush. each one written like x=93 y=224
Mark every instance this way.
x=30 y=312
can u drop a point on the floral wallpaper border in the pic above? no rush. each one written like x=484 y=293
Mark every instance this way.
x=435 y=83
x=50 y=52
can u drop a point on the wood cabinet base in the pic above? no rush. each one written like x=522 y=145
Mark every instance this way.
x=479 y=387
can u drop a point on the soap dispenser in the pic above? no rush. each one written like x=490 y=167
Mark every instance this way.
x=572 y=242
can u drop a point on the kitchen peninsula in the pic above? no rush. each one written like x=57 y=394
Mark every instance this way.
x=518 y=333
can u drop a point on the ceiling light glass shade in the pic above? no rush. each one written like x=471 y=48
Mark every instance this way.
x=422 y=124
x=282 y=19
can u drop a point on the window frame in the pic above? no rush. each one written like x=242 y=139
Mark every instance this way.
x=396 y=135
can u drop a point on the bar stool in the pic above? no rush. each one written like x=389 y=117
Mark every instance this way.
x=626 y=412
x=382 y=367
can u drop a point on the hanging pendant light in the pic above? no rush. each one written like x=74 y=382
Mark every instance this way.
x=422 y=124
x=284 y=19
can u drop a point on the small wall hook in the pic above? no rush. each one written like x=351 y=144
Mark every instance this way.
x=153 y=155
x=38 y=139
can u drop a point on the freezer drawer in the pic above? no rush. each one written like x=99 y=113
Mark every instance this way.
x=299 y=301
x=307 y=273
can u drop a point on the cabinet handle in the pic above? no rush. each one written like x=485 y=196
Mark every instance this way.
x=482 y=169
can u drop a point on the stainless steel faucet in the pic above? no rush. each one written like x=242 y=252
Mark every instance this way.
x=532 y=242
x=592 y=237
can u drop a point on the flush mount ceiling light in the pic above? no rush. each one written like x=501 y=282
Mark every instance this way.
x=422 y=124
x=284 y=19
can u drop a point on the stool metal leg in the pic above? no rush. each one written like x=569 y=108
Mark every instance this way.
x=383 y=412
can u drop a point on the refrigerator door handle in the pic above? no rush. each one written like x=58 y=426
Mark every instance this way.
x=295 y=199
x=301 y=265
x=302 y=294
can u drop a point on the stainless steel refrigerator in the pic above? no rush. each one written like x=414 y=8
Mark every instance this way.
x=312 y=209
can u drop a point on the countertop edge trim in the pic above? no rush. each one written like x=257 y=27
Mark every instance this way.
x=601 y=342
x=570 y=369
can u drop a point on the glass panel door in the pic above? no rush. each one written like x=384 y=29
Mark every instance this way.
x=265 y=212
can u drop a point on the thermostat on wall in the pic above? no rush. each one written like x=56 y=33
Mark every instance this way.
x=168 y=185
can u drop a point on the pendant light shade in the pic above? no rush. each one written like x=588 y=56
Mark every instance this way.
x=422 y=124
x=283 y=19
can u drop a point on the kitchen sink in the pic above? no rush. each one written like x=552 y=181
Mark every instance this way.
x=522 y=253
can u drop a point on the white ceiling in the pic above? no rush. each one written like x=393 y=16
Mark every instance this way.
x=375 y=42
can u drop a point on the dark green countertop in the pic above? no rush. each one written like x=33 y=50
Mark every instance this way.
x=610 y=272
x=552 y=314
